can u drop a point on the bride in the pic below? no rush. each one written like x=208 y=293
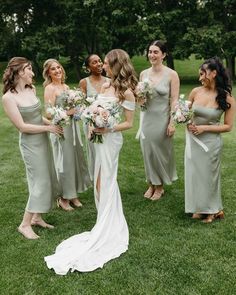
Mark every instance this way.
x=109 y=238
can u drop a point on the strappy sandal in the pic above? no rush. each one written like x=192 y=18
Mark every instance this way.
x=148 y=194
x=157 y=195
x=197 y=216
x=63 y=206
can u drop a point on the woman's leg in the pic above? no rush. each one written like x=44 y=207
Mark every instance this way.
x=25 y=227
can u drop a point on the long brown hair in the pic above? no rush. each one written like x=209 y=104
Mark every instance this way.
x=11 y=73
x=46 y=66
x=123 y=73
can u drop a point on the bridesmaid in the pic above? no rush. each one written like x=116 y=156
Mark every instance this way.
x=156 y=127
x=24 y=110
x=91 y=86
x=74 y=178
x=204 y=143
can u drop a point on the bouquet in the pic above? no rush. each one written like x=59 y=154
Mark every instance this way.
x=182 y=112
x=72 y=98
x=144 y=92
x=79 y=109
x=59 y=116
x=101 y=114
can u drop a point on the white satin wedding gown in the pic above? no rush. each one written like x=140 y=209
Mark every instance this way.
x=109 y=238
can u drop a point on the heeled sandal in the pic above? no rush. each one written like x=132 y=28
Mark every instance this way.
x=211 y=217
x=148 y=194
x=157 y=195
x=197 y=216
x=76 y=202
x=63 y=206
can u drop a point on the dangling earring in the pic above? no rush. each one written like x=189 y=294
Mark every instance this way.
x=87 y=71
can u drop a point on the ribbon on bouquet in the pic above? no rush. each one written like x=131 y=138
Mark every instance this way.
x=58 y=153
x=76 y=131
x=190 y=136
x=140 y=133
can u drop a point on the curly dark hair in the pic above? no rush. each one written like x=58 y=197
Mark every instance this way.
x=222 y=80
x=11 y=73
x=124 y=76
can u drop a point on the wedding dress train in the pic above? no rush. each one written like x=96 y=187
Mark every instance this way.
x=109 y=237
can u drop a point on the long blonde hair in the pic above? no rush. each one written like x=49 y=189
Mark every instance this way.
x=123 y=73
x=46 y=66
x=11 y=73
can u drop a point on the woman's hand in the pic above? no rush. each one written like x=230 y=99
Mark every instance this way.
x=170 y=129
x=141 y=101
x=101 y=130
x=196 y=129
x=71 y=112
x=55 y=129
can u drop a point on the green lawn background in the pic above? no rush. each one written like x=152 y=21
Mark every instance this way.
x=168 y=253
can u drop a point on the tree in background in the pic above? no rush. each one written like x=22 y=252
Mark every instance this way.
x=213 y=32
x=75 y=28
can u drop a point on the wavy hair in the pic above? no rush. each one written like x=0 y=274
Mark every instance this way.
x=46 y=66
x=11 y=73
x=222 y=81
x=123 y=73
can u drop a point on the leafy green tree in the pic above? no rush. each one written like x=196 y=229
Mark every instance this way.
x=213 y=32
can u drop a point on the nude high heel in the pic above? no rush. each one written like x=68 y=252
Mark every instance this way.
x=63 y=206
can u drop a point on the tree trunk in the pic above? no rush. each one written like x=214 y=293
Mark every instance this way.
x=170 y=61
x=230 y=63
x=77 y=66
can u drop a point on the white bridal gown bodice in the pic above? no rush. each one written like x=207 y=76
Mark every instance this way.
x=109 y=237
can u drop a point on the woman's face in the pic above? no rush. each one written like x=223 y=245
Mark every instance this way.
x=95 y=64
x=155 y=55
x=107 y=68
x=27 y=74
x=206 y=77
x=55 y=71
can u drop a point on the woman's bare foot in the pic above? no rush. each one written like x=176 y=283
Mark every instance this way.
x=76 y=202
x=42 y=223
x=64 y=204
x=27 y=232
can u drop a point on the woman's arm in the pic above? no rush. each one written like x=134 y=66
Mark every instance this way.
x=174 y=96
x=49 y=99
x=83 y=85
x=128 y=115
x=15 y=117
x=225 y=127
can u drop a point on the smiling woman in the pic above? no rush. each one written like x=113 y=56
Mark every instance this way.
x=203 y=141
x=73 y=177
x=23 y=109
x=91 y=86
x=156 y=126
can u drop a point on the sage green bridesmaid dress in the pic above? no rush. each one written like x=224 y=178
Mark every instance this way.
x=202 y=164
x=157 y=147
x=36 y=153
x=91 y=91
x=69 y=160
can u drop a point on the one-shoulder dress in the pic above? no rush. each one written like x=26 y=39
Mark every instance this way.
x=202 y=164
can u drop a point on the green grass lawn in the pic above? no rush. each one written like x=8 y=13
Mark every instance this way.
x=169 y=254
